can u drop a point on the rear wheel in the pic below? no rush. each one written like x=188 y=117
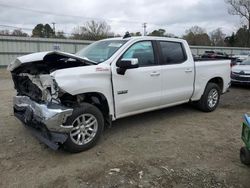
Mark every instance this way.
x=210 y=99
x=87 y=121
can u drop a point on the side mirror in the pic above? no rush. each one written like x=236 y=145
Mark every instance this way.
x=125 y=64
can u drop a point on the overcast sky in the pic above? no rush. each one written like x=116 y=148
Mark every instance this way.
x=175 y=16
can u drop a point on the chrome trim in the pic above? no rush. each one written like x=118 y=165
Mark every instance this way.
x=232 y=80
x=51 y=115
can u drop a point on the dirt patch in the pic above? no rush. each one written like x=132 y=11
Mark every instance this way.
x=174 y=147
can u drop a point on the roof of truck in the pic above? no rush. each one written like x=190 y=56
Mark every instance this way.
x=146 y=38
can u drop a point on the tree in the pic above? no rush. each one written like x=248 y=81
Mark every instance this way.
x=4 y=32
x=38 y=31
x=60 y=35
x=230 y=40
x=196 y=30
x=136 y=34
x=159 y=32
x=92 y=30
x=16 y=32
x=19 y=33
x=43 y=31
x=170 y=35
x=238 y=39
x=48 y=31
x=217 y=37
x=240 y=8
x=197 y=36
x=242 y=37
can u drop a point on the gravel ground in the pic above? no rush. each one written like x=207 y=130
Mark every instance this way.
x=174 y=147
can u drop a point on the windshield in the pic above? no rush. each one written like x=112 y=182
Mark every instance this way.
x=101 y=50
x=245 y=62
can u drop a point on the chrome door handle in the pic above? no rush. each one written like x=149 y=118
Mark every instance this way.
x=155 y=74
x=188 y=70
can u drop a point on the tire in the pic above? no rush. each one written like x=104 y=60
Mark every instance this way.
x=245 y=156
x=89 y=135
x=205 y=103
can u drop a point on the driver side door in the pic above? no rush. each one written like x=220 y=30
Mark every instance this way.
x=139 y=90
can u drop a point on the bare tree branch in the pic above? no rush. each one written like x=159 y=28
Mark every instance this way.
x=240 y=7
x=92 y=30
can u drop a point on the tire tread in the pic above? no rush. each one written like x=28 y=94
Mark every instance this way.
x=202 y=103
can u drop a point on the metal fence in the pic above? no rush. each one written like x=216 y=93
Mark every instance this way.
x=198 y=50
x=12 y=47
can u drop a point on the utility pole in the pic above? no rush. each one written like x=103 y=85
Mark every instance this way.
x=54 y=27
x=144 y=25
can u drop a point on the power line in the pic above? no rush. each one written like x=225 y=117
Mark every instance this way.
x=23 y=28
x=63 y=15
x=14 y=27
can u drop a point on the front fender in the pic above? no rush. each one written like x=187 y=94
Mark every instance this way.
x=87 y=79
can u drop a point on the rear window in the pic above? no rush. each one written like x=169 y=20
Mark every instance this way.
x=172 y=52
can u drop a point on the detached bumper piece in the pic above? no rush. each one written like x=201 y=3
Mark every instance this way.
x=46 y=121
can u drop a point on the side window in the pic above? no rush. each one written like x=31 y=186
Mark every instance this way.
x=143 y=51
x=172 y=52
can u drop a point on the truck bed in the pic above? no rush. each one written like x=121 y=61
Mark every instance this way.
x=210 y=68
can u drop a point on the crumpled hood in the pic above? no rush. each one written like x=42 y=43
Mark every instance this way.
x=239 y=68
x=41 y=56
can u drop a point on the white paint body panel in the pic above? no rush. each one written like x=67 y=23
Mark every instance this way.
x=239 y=68
x=86 y=79
x=206 y=70
x=178 y=80
x=144 y=91
x=176 y=84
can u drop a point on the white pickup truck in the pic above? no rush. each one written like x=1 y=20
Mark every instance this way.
x=67 y=99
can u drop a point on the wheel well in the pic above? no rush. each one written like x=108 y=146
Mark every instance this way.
x=98 y=100
x=218 y=81
x=94 y=98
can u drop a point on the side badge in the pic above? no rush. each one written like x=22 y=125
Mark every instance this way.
x=122 y=92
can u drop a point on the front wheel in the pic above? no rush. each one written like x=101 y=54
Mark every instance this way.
x=210 y=98
x=87 y=121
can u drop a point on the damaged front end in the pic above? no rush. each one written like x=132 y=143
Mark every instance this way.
x=38 y=104
x=40 y=88
x=45 y=120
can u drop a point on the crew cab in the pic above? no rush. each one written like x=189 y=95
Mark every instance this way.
x=67 y=100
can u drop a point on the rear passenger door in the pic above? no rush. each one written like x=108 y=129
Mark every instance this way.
x=177 y=72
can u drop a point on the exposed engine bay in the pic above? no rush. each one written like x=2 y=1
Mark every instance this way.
x=33 y=78
x=40 y=88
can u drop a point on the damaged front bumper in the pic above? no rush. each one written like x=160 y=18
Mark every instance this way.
x=45 y=120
